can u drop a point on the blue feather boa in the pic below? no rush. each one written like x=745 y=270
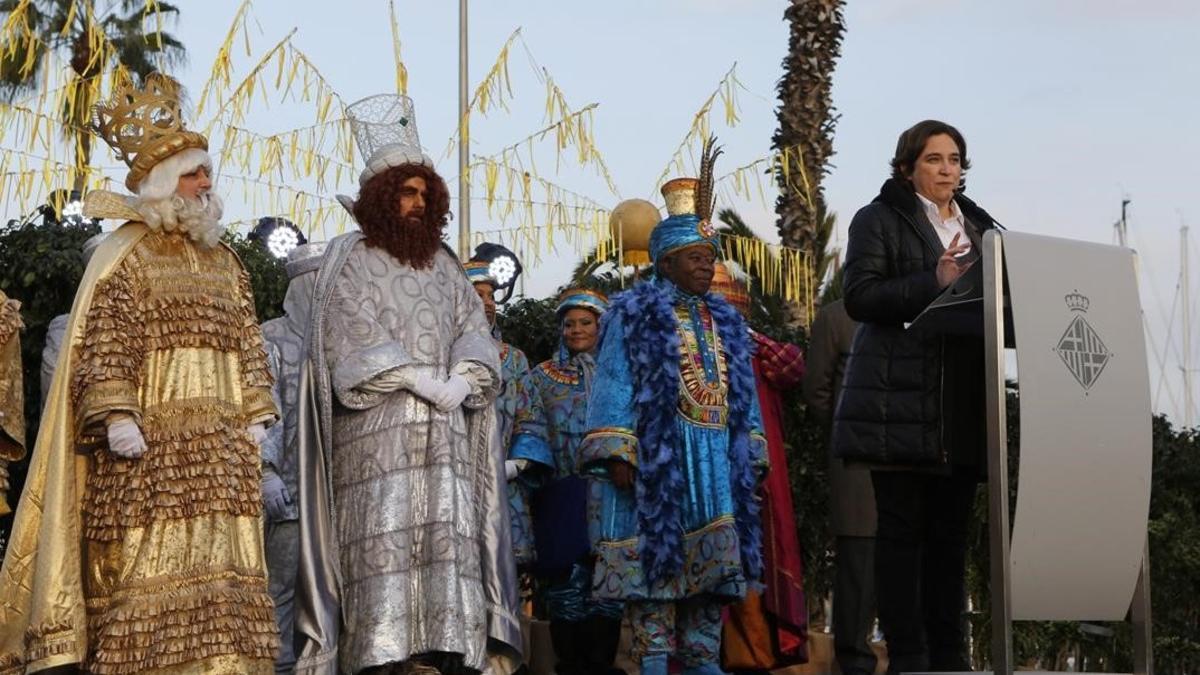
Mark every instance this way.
x=652 y=347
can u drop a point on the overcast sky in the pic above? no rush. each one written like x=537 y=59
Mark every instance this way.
x=1067 y=105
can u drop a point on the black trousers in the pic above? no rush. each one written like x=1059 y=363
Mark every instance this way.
x=854 y=604
x=920 y=555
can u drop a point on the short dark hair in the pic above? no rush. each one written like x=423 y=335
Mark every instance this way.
x=912 y=143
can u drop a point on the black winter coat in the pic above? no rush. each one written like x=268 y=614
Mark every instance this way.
x=910 y=398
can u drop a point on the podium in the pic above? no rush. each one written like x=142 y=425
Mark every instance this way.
x=1077 y=546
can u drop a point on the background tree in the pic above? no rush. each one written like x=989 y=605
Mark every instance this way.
x=806 y=125
x=124 y=38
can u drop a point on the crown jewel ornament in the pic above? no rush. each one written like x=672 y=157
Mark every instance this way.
x=145 y=126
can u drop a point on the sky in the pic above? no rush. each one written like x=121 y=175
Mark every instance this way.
x=1068 y=106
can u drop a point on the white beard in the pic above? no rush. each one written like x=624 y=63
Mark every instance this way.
x=200 y=218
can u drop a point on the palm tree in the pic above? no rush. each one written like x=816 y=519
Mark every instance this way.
x=93 y=43
x=806 y=123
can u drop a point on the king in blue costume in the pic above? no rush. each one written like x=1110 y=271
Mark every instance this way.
x=551 y=424
x=675 y=446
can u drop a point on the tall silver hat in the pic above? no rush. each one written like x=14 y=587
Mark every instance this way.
x=385 y=129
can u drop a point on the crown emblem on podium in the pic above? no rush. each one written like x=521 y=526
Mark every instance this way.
x=1081 y=349
x=144 y=126
x=1077 y=302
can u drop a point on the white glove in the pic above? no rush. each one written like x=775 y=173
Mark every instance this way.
x=427 y=387
x=259 y=433
x=125 y=439
x=479 y=377
x=454 y=391
x=514 y=467
x=275 y=495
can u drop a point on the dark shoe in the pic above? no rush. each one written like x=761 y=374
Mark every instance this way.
x=566 y=636
x=598 y=638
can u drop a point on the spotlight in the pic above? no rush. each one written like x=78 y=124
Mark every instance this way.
x=503 y=266
x=278 y=235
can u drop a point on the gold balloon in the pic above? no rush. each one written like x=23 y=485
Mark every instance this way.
x=631 y=223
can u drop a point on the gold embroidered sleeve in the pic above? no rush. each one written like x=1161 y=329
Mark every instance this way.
x=257 y=404
x=12 y=393
x=108 y=368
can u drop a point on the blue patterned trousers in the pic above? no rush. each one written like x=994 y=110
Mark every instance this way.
x=689 y=629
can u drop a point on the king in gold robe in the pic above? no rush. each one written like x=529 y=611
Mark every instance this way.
x=137 y=545
x=154 y=563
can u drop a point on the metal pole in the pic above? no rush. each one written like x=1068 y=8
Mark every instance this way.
x=997 y=435
x=1185 y=299
x=464 y=140
x=1123 y=226
x=1139 y=615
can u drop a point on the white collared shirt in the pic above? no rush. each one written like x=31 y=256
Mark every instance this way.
x=946 y=229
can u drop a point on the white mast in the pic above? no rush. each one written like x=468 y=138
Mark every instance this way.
x=1185 y=299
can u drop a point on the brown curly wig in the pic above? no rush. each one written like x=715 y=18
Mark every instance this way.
x=413 y=240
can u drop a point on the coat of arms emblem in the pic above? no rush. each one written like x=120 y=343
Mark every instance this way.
x=1081 y=348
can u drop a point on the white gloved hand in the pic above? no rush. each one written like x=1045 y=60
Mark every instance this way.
x=454 y=391
x=478 y=376
x=428 y=388
x=275 y=495
x=125 y=439
x=259 y=433
x=514 y=467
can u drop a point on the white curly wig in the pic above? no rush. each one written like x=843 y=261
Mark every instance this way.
x=163 y=210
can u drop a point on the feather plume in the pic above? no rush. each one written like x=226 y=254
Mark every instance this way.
x=705 y=197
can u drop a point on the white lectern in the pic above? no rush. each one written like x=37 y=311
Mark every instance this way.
x=1077 y=548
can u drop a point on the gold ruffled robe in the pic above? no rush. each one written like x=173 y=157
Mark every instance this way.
x=153 y=564
x=12 y=395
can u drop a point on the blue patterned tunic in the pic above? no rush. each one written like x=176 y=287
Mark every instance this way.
x=551 y=424
x=514 y=368
x=701 y=461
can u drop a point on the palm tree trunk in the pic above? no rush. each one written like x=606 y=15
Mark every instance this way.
x=806 y=124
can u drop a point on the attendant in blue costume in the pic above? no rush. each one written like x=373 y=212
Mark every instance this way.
x=514 y=366
x=676 y=446
x=551 y=424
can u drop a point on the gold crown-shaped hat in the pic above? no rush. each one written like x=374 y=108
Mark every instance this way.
x=145 y=126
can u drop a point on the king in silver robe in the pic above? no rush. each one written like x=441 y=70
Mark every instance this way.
x=397 y=430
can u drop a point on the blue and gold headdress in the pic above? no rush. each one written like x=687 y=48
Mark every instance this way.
x=690 y=207
x=479 y=273
x=582 y=298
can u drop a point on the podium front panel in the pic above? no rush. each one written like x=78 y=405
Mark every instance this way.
x=1084 y=477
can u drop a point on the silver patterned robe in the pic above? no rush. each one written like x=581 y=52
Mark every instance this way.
x=393 y=493
x=284 y=342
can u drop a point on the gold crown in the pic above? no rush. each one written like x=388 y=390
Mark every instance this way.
x=145 y=126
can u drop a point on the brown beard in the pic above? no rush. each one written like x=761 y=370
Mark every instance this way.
x=411 y=240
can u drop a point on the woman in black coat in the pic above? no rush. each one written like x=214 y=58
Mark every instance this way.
x=912 y=403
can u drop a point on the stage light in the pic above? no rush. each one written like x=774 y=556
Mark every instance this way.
x=503 y=267
x=278 y=235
